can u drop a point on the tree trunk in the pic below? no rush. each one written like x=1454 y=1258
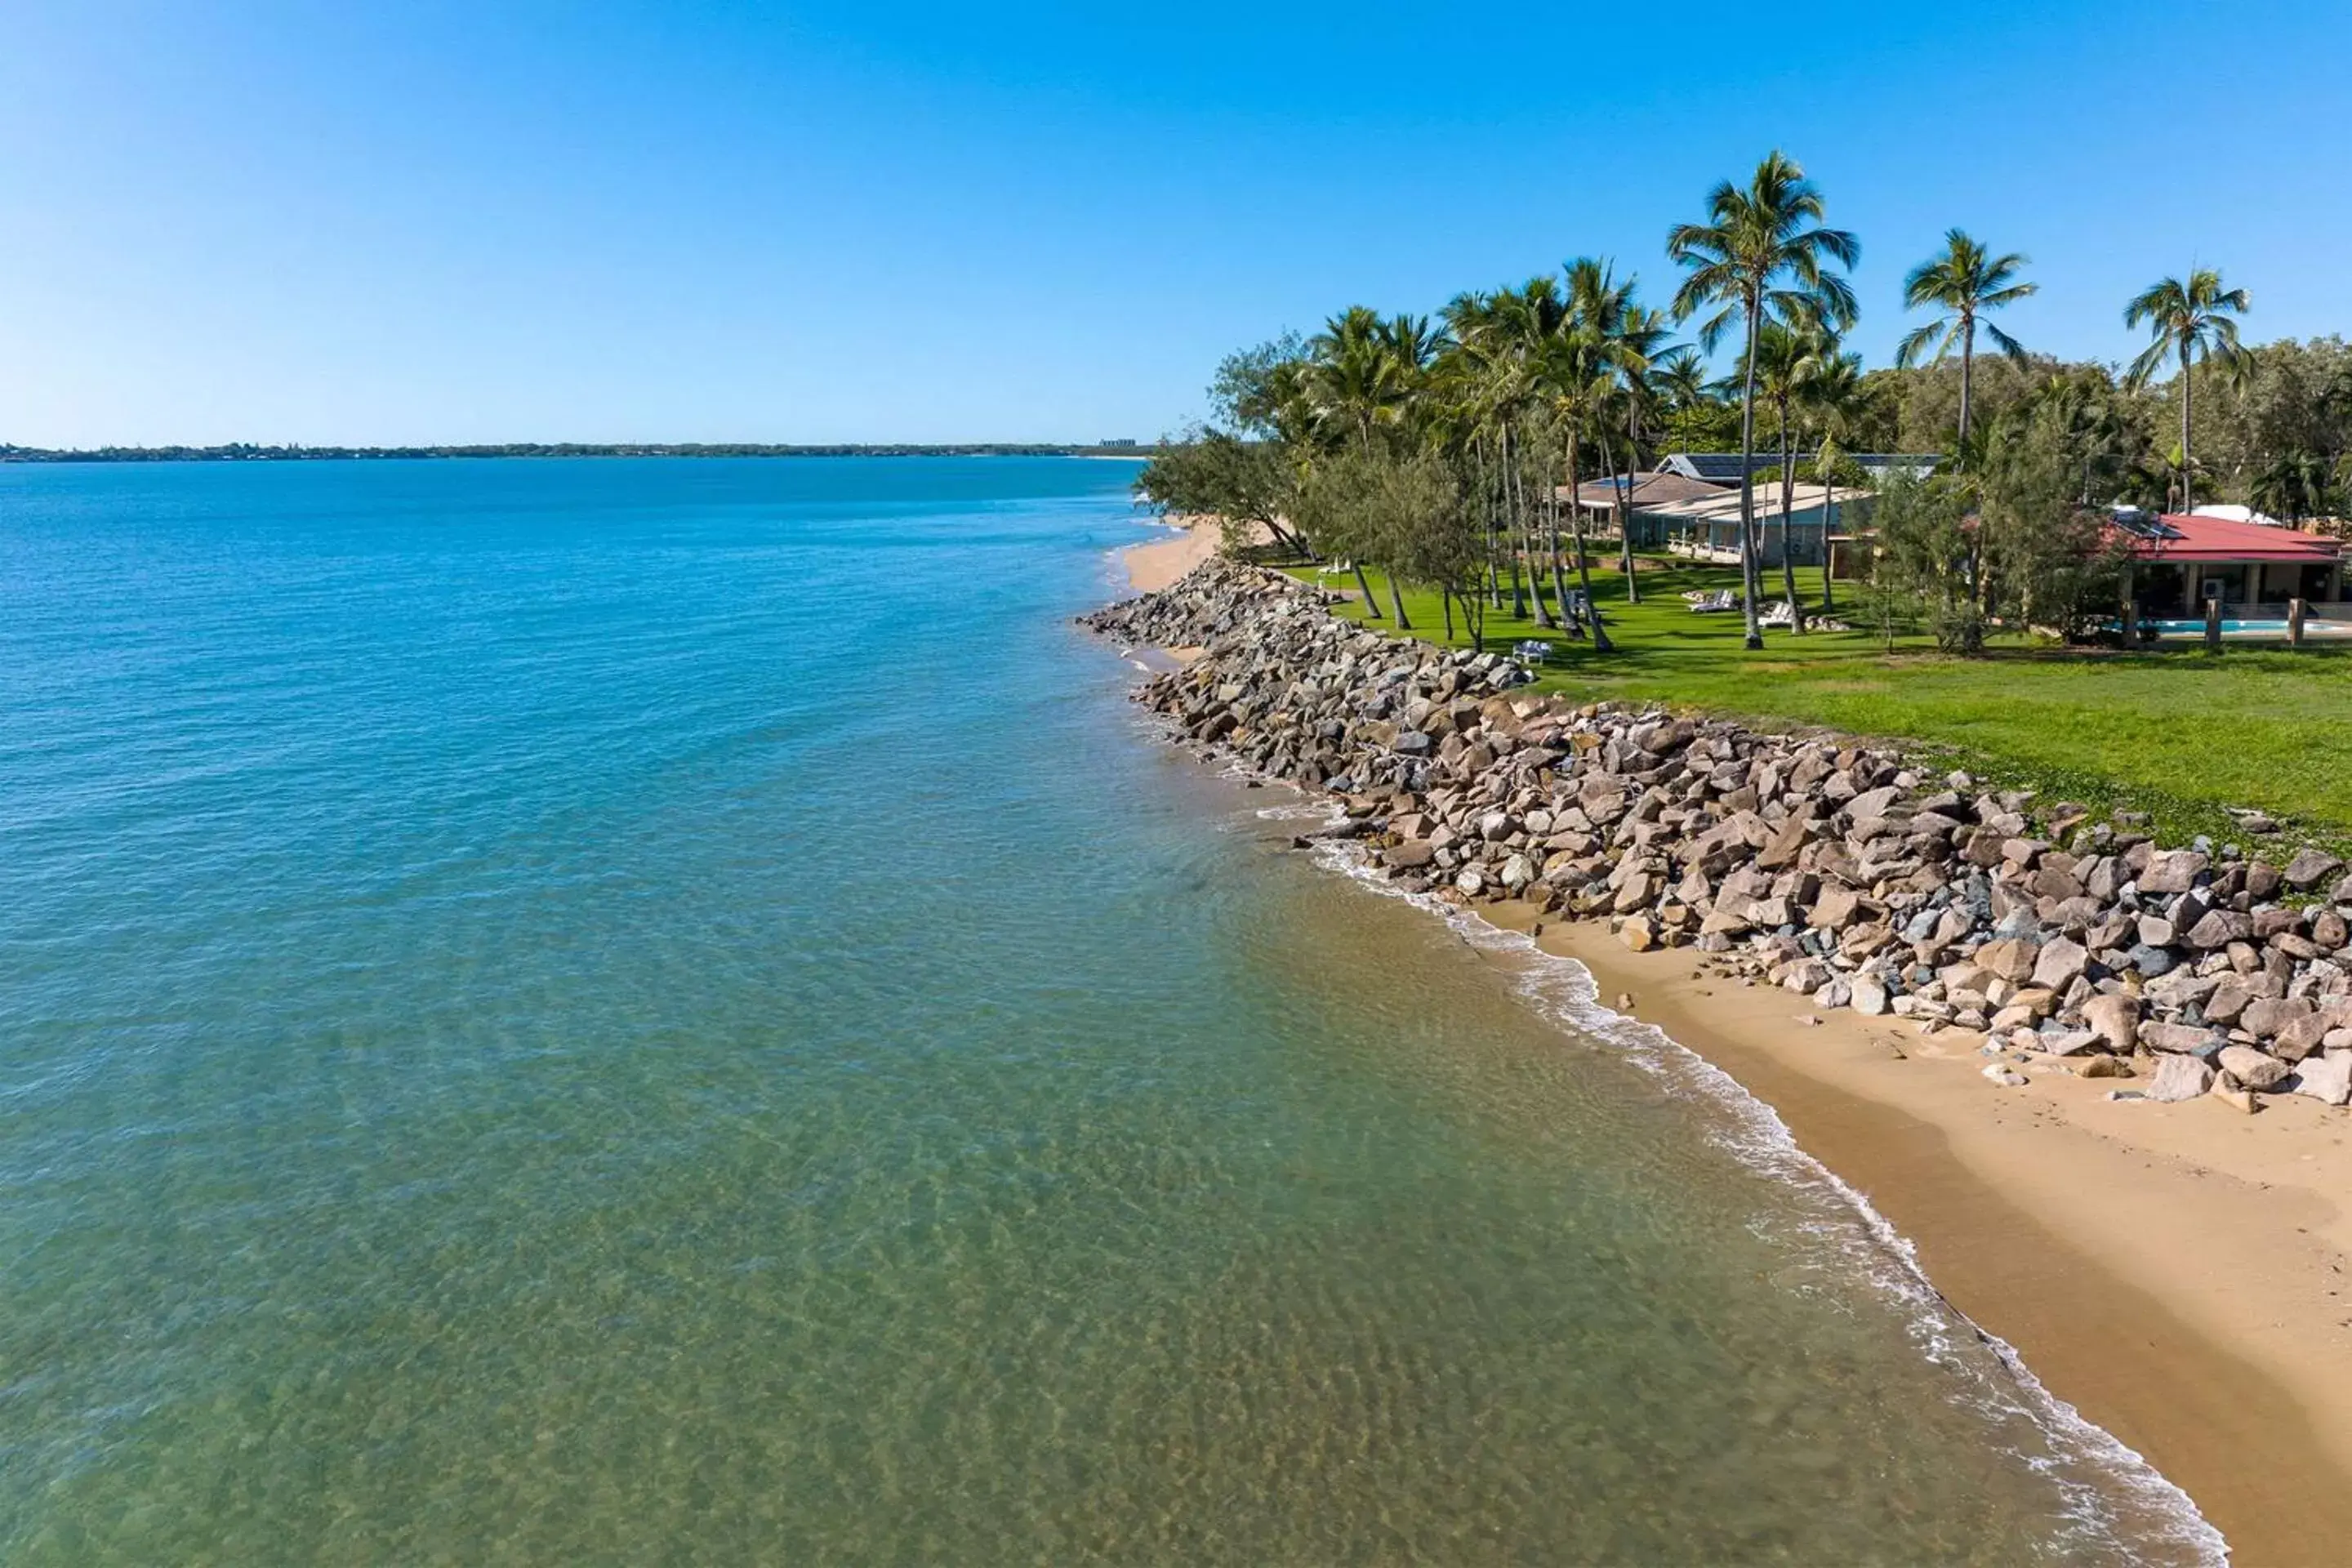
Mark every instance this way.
x=1584 y=572
x=2186 y=500
x=1446 y=601
x=1584 y=578
x=1364 y=589
x=1967 y=371
x=1749 y=581
x=1829 y=526
x=1625 y=504
x=1522 y=536
x=1788 y=543
x=1397 y=599
x=1552 y=514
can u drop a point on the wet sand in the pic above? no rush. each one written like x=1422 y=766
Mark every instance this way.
x=2177 y=1273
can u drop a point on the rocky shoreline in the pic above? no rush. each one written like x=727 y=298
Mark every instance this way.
x=1830 y=867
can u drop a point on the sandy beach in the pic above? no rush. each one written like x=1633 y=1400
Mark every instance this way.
x=2180 y=1274
x=2175 y=1272
x=1152 y=565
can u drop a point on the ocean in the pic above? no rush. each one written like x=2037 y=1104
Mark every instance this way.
x=669 y=1011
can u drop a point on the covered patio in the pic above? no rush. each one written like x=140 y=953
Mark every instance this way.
x=2178 y=563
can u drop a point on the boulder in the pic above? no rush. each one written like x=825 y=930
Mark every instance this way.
x=1412 y=854
x=1869 y=994
x=2310 y=867
x=2113 y=1019
x=2174 y=871
x=2219 y=928
x=2179 y=1078
x=2182 y=1038
x=2327 y=1079
x=2060 y=963
x=2266 y=1017
x=1837 y=909
x=2252 y=1067
x=2011 y=958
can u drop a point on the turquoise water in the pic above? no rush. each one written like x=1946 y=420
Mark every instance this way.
x=669 y=1012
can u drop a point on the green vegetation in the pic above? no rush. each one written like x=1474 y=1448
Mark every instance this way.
x=1434 y=472
x=2179 y=733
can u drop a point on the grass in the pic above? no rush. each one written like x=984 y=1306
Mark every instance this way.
x=2178 y=732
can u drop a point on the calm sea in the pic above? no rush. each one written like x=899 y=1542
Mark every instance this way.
x=628 y=1011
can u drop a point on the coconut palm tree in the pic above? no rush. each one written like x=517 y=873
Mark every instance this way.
x=2295 y=485
x=1760 y=252
x=1833 y=404
x=1581 y=368
x=2186 y=321
x=1641 y=337
x=1785 y=359
x=1681 y=378
x=1505 y=335
x=1963 y=282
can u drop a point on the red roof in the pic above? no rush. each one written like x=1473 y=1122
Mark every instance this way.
x=2218 y=539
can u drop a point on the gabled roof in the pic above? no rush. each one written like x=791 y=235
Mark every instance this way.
x=1723 y=506
x=1650 y=491
x=1723 y=468
x=2188 y=538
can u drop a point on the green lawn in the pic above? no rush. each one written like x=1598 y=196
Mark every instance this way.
x=2180 y=732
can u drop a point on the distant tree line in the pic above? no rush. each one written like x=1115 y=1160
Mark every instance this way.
x=243 y=452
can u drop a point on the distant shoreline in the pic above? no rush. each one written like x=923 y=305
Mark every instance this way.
x=238 y=452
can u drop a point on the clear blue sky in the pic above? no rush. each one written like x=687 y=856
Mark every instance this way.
x=380 y=223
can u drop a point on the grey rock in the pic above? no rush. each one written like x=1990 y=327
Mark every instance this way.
x=2179 y=1038
x=2179 y=1078
x=2219 y=928
x=2327 y=1079
x=2310 y=867
x=2060 y=963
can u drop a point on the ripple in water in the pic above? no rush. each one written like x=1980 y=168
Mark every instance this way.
x=663 y=1011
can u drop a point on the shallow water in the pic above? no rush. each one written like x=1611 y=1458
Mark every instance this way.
x=610 y=1011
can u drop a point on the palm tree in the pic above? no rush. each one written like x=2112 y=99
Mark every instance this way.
x=1362 y=370
x=1833 y=404
x=1345 y=386
x=1760 y=251
x=1963 y=283
x=1641 y=341
x=1785 y=359
x=1504 y=335
x=1682 y=380
x=2295 y=485
x=1580 y=372
x=2186 y=323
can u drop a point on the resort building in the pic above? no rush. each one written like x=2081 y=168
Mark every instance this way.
x=2178 y=562
x=1683 y=516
